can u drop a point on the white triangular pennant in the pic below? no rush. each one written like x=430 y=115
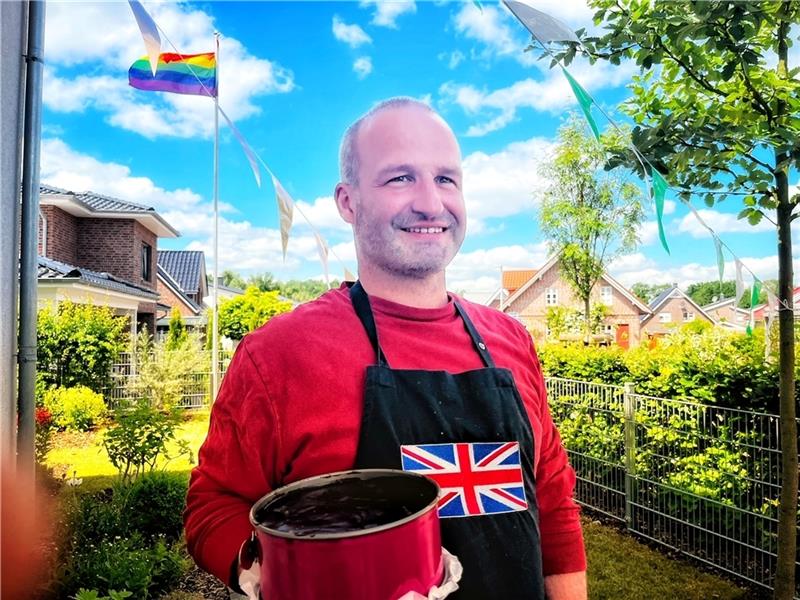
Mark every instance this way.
x=149 y=30
x=322 y=248
x=285 y=211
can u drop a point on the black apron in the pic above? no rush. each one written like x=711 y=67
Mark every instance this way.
x=469 y=432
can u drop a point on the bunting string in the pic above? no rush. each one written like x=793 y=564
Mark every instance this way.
x=286 y=205
x=545 y=29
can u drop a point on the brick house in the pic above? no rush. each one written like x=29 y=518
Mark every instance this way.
x=670 y=309
x=528 y=293
x=98 y=249
x=181 y=283
x=727 y=314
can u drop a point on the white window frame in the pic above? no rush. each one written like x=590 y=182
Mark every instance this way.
x=607 y=295
x=551 y=297
x=665 y=317
x=689 y=316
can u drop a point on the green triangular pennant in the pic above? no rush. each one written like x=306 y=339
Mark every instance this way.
x=659 y=190
x=756 y=293
x=720 y=260
x=584 y=100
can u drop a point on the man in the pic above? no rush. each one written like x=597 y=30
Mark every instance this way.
x=367 y=375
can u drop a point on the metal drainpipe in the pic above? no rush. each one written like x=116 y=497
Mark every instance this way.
x=44 y=232
x=30 y=229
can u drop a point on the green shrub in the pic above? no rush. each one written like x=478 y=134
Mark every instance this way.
x=77 y=408
x=585 y=363
x=139 y=438
x=77 y=344
x=105 y=549
x=84 y=594
x=154 y=505
x=164 y=375
x=125 y=563
x=696 y=363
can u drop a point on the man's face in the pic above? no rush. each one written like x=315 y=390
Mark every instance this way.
x=408 y=208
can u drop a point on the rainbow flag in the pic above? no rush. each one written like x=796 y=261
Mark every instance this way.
x=194 y=74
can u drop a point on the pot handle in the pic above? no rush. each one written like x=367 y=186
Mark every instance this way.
x=249 y=568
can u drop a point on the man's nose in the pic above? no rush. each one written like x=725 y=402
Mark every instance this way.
x=427 y=199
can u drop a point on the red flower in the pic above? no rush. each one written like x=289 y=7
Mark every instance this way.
x=43 y=417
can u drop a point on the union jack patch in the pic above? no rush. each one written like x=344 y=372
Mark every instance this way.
x=475 y=479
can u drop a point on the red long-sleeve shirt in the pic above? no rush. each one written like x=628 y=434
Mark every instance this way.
x=290 y=407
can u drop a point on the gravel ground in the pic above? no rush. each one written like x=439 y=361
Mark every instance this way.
x=199 y=585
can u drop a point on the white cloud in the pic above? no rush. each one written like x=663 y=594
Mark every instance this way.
x=497 y=108
x=721 y=223
x=244 y=247
x=362 y=66
x=504 y=183
x=113 y=43
x=323 y=214
x=636 y=267
x=477 y=273
x=648 y=233
x=453 y=58
x=496 y=30
x=65 y=168
x=387 y=11
x=352 y=35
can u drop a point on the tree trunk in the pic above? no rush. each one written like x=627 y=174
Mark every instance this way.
x=787 y=519
x=587 y=322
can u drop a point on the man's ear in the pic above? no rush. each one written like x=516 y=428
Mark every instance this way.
x=344 y=202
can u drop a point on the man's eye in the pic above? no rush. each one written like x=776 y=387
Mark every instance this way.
x=400 y=178
x=445 y=179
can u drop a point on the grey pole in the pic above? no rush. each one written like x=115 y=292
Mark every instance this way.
x=13 y=28
x=32 y=131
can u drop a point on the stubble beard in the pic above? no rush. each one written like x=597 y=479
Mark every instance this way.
x=383 y=248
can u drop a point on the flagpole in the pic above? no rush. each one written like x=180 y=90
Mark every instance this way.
x=215 y=295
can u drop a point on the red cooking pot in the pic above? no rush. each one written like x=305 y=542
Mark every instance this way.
x=369 y=534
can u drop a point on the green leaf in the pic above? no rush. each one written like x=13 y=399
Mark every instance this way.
x=755 y=216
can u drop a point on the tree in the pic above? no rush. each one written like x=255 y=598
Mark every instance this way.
x=305 y=290
x=707 y=292
x=647 y=291
x=177 y=334
x=720 y=116
x=588 y=216
x=243 y=314
x=229 y=278
x=264 y=281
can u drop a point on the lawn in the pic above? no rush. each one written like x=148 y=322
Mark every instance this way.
x=82 y=455
x=620 y=567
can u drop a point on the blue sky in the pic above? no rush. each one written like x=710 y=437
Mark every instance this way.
x=293 y=75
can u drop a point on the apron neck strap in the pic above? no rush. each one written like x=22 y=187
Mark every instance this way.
x=363 y=309
x=361 y=304
x=477 y=340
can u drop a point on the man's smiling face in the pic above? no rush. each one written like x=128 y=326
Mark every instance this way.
x=409 y=216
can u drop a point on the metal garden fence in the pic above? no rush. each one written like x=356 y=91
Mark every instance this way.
x=195 y=388
x=703 y=480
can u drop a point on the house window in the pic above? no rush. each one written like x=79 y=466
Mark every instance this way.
x=688 y=316
x=551 y=297
x=608 y=329
x=665 y=317
x=605 y=295
x=147 y=259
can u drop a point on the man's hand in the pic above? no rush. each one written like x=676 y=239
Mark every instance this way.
x=566 y=586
